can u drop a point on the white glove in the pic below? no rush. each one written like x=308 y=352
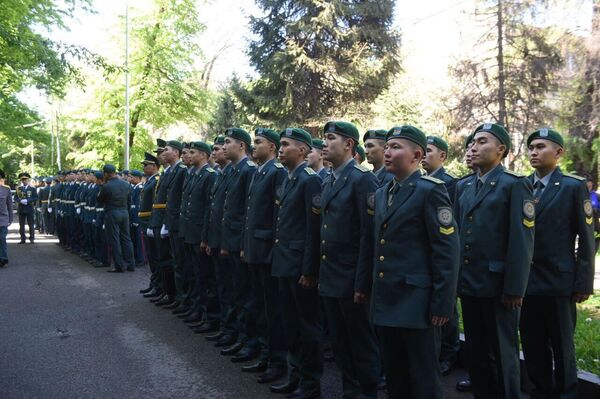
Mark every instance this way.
x=103 y=227
x=93 y=220
x=164 y=233
x=23 y=201
x=135 y=224
x=78 y=210
x=150 y=232
x=49 y=210
x=38 y=209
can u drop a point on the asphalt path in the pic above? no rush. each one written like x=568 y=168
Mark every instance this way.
x=68 y=330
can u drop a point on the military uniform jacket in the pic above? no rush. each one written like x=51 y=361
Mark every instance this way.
x=296 y=247
x=69 y=199
x=496 y=235
x=135 y=204
x=54 y=196
x=323 y=173
x=43 y=194
x=174 y=191
x=6 y=206
x=90 y=201
x=563 y=213
x=234 y=208
x=195 y=204
x=212 y=231
x=416 y=254
x=146 y=200
x=30 y=194
x=347 y=207
x=115 y=194
x=80 y=203
x=261 y=212
x=448 y=179
x=383 y=176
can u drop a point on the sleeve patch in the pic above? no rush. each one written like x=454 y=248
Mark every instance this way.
x=587 y=208
x=529 y=209
x=528 y=223
x=447 y=230
x=371 y=201
x=444 y=216
x=310 y=171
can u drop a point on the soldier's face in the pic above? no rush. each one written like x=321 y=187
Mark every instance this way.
x=401 y=156
x=290 y=152
x=374 y=151
x=335 y=147
x=434 y=158
x=196 y=157
x=219 y=154
x=170 y=154
x=313 y=158
x=185 y=156
x=262 y=149
x=486 y=150
x=544 y=154
x=232 y=149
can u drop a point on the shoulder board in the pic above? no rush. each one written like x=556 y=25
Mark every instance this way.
x=467 y=176
x=450 y=174
x=361 y=168
x=310 y=171
x=513 y=173
x=574 y=176
x=182 y=166
x=250 y=163
x=210 y=170
x=278 y=165
x=433 y=179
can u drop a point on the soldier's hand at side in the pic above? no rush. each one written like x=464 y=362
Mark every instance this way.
x=224 y=252
x=512 y=302
x=361 y=298
x=307 y=281
x=242 y=254
x=439 y=321
x=578 y=298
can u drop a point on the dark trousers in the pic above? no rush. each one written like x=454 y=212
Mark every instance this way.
x=354 y=346
x=224 y=281
x=101 y=251
x=448 y=339
x=119 y=238
x=204 y=293
x=152 y=252
x=3 y=246
x=547 y=326
x=491 y=328
x=165 y=263
x=410 y=362
x=244 y=303
x=265 y=289
x=88 y=234
x=77 y=234
x=302 y=329
x=179 y=267
x=138 y=245
x=26 y=218
x=51 y=219
x=44 y=219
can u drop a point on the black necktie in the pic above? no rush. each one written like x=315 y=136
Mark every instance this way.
x=478 y=185
x=539 y=188
x=392 y=191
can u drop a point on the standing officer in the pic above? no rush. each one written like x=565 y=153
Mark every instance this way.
x=25 y=197
x=562 y=273
x=101 y=249
x=345 y=278
x=43 y=195
x=315 y=159
x=374 y=145
x=150 y=166
x=135 y=178
x=496 y=215
x=6 y=217
x=257 y=245
x=115 y=197
x=296 y=264
x=416 y=267
x=51 y=208
x=236 y=148
x=433 y=163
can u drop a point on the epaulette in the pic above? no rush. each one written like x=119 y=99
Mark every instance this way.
x=210 y=170
x=361 y=168
x=310 y=171
x=450 y=174
x=466 y=176
x=433 y=179
x=278 y=165
x=574 y=176
x=181 y=165
x=513 y=173
x=250 y=163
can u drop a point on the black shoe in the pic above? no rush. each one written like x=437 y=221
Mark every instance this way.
x=215 y=337
x=181 y=309
x=32 y=241
x=328 y=355
x=158 y=298
x=206 y=328
x=187 y=314
x=245 y=355
x=172 y=305
x=146 y=290
x=464 y=386
x=115 y=271
x=226 y=341
x=152 y=294
x=232 y=350
x=286 y=387
x=382 y=384
x=166 y=301
x=259 y=367
x=300 y=394
x=3 y=262
x=22 y=242
x=195 y=317
x=130 y=269
x=446 y=367
x=271 y=375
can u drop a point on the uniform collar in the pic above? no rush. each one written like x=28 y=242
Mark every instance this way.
x=545 y=180
x=337 y=172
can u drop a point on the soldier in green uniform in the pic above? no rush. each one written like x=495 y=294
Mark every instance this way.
x=496 y=215
x=562 y=271
x=374 y=145
x=315 y=158
x=25 y=198
x=135 y=179
x=43 y=195
x=346 y=267
x=416 y=267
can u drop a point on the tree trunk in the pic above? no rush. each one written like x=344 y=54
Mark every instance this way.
x=501 y=73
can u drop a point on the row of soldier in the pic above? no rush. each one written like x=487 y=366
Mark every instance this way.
x=269 y=257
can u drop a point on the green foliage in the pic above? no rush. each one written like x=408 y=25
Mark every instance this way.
x=587 y=345
x=317 y=59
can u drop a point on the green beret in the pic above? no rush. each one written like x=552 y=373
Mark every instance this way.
x=378 y=134
x=317 y=143
x=361 y=151
x=239 y=134
x=297 y=134
x=546 y=134
x=469 y=140
x=346 y=129
x=219 y=140
x=438 y=142
x=108 y=168
x=498 y=131
x=98 y=175
x=201 y=146
x=175 y=144
x=269 y=134
x=409 y=133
